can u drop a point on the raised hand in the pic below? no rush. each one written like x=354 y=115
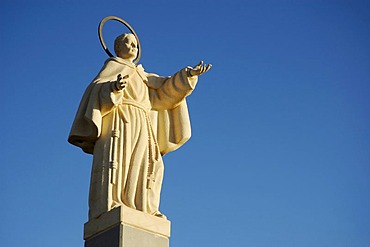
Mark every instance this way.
x=199 y=69
x=121 y=81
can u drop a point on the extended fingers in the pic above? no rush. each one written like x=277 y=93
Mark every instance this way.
x=208 y=67
x=199 y=69
x=199 y=64
x=205 y=68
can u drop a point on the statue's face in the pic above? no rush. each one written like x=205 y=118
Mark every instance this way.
x=128 y=47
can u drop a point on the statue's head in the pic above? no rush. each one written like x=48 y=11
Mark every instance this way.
x=125 y=46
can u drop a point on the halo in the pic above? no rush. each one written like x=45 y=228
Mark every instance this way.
x=100 y=33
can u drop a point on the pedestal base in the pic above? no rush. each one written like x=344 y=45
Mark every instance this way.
x=126 y=227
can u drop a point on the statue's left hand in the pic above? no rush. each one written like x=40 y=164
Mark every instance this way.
x=199 y=69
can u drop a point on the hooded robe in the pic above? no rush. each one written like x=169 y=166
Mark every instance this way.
x=128 y=131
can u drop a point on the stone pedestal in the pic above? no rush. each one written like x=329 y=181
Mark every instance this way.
x=126 y=227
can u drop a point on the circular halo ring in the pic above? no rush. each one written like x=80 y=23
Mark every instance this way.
x=100 y=33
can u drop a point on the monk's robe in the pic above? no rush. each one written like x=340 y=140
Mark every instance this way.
x=128 y=131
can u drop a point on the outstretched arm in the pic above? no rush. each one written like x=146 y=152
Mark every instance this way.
x=173 y=90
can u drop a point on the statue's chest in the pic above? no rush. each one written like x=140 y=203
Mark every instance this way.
x=136 y=89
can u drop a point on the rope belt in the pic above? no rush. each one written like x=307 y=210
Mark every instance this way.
x=153 y=151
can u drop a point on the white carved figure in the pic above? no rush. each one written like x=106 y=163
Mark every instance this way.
x=128 y=119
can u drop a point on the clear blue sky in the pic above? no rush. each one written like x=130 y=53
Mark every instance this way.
x=280 y=152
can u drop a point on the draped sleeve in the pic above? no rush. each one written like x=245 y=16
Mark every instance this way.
x=97 y=101
x=170 y=116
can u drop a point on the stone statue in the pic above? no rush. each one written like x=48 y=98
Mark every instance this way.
x=128 y=119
